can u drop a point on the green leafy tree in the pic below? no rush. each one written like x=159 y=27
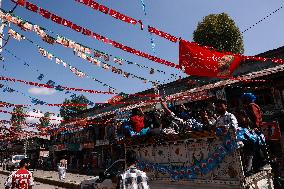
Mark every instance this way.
x=220 y=32
x=66 y=112
x=44 y=121
x=18 y=118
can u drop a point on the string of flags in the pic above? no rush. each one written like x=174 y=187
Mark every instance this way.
x=84 y=56
x=74 y=70
x=87 y=57
x=84 y=31
x=42 y=76
x=153 y=45
x=115 y=14
x=7 y=104
x=223 y=65
x=26 y=115
x=50 y=86
x=35 y=101
x=27 y=26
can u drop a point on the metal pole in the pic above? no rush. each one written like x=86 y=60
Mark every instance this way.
x=1 y=30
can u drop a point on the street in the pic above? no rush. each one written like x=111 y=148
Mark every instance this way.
x=37 y=185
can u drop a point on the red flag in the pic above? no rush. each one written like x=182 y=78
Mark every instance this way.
x=67 y=23
x=76 y=28
x=103 y=9
x=94 y=4
x=86 y=32
x=45 y=13
x=202 y=61
x=31 y=7
x=20 y=2
x=56 y=19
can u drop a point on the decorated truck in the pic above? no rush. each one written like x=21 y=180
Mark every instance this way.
x=191 y=160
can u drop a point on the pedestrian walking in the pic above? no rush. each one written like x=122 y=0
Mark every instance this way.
x=132 y=177
x=62 y=167
x=20 y=179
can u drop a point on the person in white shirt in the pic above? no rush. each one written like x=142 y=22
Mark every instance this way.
x=225 y=120
x=62 y=167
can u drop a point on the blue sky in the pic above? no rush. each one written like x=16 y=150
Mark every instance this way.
x=178 y=17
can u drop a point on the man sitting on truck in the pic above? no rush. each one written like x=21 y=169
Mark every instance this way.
x=137 y=125
x=132 y=177
x=225 y=120
x=178 y=124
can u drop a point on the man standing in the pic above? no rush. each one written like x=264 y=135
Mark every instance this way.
x=62 y=167
x=225 y=120
x=20 y=179
x=252 y=109
x=132 y=177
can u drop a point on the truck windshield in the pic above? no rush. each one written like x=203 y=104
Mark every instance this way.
x=20 y=157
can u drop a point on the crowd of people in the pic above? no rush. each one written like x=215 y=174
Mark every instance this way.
x=245 y=122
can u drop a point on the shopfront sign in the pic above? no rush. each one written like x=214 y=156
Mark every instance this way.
x=88 y=145
x=102 y=142
x=44 y=154
x=271 y=130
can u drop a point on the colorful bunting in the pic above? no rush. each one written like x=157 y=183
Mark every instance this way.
x=126 y=48
x=49 y=86
x=79 y=47
x=74 y=70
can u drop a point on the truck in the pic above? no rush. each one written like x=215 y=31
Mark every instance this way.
x=13 y=162
x=198 y=160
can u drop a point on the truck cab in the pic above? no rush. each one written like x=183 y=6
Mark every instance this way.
x=106 y=179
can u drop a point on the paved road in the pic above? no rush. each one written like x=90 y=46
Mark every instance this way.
x=37 y=185
x=52 y=175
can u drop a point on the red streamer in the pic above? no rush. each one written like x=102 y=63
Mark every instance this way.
x=49 y=86
x=162 y=34
x=52 y=105
x=106 y=10
x=26 y=115
x=121 y=46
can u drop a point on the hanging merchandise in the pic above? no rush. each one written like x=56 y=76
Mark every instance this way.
x=121 y=46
